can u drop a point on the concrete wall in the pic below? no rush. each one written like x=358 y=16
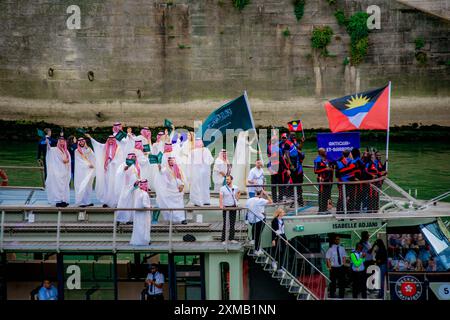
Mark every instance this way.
x=194 y=53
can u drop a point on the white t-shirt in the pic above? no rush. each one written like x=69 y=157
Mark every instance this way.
x=257 y=175
x=159 y=279
x=255 y=208
x=229 y=195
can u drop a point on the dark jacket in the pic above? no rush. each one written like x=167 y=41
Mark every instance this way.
x=274 y=225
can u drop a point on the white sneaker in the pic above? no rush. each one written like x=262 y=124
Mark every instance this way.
x=274 y=265
x=224 y=243
x=252 y=242
x=234 y=241
x=259 y=252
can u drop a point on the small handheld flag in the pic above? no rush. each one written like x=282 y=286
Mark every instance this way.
x=147 y=148
x=81 y=131
x=155 y=159
x=363 y=111
x=120 y=135
x=295 y=125
x=168 y=124
x=40 y=133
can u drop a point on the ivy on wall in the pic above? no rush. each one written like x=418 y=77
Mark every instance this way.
x=356 y=27
x=299 y=8
x=321 y=38
x=240 y=4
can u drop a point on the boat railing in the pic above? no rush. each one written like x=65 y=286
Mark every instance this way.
x=363 y=196
x=21 y=223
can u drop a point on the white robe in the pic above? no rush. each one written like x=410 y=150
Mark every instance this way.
x=183 y=162
x=200 y=175
x=158 y=147
x=241 y=161
x=219 y=166
x=142 y=219
x=84 y=176
x=57 y=183
x=125 y=180
x=105 y=180
x=168 y=195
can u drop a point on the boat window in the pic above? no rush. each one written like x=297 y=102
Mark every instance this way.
x=439 y=243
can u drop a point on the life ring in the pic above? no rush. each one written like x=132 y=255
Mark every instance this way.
x=4 y=178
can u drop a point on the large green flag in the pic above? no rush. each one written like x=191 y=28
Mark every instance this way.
x=236 y=114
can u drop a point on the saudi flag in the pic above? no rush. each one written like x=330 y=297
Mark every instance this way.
x=234 y=115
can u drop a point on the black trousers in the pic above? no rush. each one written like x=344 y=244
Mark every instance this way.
x=232 y=215
x=350 y=198
x=279 y=250
x=152 y=297
x=297 y=178
x=324 y=197
x=337 y=277
x=359 y=284
x=275 y=179
x=257 y=229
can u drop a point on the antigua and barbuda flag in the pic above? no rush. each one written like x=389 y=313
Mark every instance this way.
x=360 y=111
x=295 y=125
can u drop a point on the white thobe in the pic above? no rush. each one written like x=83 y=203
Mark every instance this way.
x=57 y=183
x=168 y=195
x=125 y=180
x=84 y=175
x=200 y=175
x=142 y=219
x=105 y=179
x=219 y=166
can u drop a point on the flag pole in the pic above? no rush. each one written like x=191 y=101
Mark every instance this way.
x=303 y=132
x=388 y=125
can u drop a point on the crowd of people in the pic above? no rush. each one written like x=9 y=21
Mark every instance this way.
x=410 y=252
x=286 y=167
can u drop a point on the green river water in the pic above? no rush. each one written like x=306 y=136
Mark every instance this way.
x=421 y=166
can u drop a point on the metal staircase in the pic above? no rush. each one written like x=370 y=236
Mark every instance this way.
x=285 y=278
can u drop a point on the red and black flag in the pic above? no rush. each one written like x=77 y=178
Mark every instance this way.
x=360 y=111
x=295 y=125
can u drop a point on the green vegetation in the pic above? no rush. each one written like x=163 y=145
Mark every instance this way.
x=341 y=18
x=420 y=43
x=359 y=36
x=182 y=46
x=240 y=4
x=321 y=38
x=346 y=61
x=286 y=32
x=331 y=2
x=299 y=8
x=220 y=3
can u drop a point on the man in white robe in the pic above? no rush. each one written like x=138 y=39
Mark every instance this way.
x=158 y=146
x=170 y=191
x=84 y=174
x=57 y=183
x=142 y=219
x=142 y=158
x=200 y=162
x=127 y=174
x=221 y=169
x=108 y=157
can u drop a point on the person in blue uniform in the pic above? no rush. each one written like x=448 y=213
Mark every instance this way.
x=324 y=172
x=345 y=172
x=370 y=192
x=358 y=188
x=295 y=159
x=42 y=148
x=47 y=291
